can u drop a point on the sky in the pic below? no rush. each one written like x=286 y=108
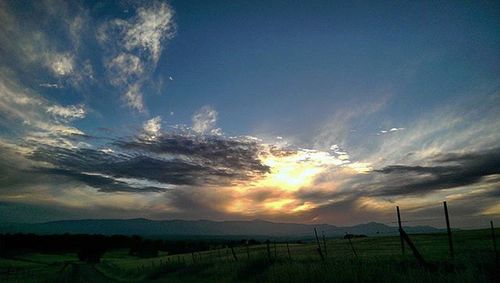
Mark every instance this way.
x=291 y=111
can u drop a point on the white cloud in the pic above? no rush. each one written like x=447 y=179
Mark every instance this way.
x=391 y=130
x=338 y=129
x=134 y=47
x=152 y=128
x=61 y=64
x=33 y=49
x=152 y=25
x=204 y=120
x=43 y=122
x=124 y=68
x=69 y=112
x=50 y=85
x=133 y=97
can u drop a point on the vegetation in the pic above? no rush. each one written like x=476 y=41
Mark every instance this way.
x=357 y=259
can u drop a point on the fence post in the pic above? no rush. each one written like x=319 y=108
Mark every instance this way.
x=234 y=254
x=400 y=229
x=494 y=242
x=248 y=252
x=268 y=250
x=288 y=249
x=417 y=255
x=324 y=243
x=319 y=245
x=275 y=253
x=448 y=228
x=352 y=246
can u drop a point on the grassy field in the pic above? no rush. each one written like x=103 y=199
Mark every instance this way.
x=376 y=259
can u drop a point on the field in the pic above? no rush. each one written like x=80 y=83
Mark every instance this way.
x=376 y=259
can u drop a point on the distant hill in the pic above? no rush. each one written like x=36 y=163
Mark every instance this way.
x=147 y=227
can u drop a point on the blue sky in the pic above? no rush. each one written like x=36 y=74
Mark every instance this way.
x=303 y=111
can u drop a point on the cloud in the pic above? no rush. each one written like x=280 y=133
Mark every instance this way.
x=204 y=121
x=133 y=97
x=51 y=42
x=452 y=170
x=133 y=48
x=124 y=68
x=152 y=128
x=61 y=64
x=339 y=128
x=50 y=85
x=151 y=26
x=156 y=164
x=391 y=130
x=42 y=121
x=101 y=182
x=237 y=157
x=67 y=113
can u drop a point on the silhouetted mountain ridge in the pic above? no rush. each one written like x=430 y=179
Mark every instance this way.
x=176 y=227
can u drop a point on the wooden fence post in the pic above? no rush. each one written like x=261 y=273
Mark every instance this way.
x=319 y=245
x=288 y=249
x=268 y=250
x=275 y=253
x=248 y=252
x=324 y=244
x=494 y=242
x=234 y=254
x=417 y=255
x=400 y=229
x=352 y=246
x=450 y=242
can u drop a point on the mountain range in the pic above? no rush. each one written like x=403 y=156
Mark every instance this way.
x=146 y=227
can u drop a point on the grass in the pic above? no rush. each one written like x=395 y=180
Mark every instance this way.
x=378 y=259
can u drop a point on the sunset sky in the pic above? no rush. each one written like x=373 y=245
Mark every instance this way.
x=291 y=111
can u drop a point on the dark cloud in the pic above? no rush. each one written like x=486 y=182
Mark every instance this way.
x=103 y=183
x=213 y=150
x=171 y=160
x=449 y=170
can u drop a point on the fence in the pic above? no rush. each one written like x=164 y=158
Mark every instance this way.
x=424 y=249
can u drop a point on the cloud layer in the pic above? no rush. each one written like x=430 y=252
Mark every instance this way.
x=169 y=160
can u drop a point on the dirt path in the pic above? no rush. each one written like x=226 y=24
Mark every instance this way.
x=85 y=273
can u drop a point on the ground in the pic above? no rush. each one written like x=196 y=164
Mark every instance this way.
x=374 y=259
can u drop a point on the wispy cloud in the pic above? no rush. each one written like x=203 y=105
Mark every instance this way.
x=391 y=130
x=67 y=113
x=41 y=120
x=60 y=64
x=134 y=46
x=449 y=170
x=204 y=121
x=50 y=85
x=30 y=48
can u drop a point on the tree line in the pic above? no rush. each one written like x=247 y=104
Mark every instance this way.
x=91 y=247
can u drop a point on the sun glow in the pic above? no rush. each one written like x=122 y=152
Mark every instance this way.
x=296 y=170
x=276 y=192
